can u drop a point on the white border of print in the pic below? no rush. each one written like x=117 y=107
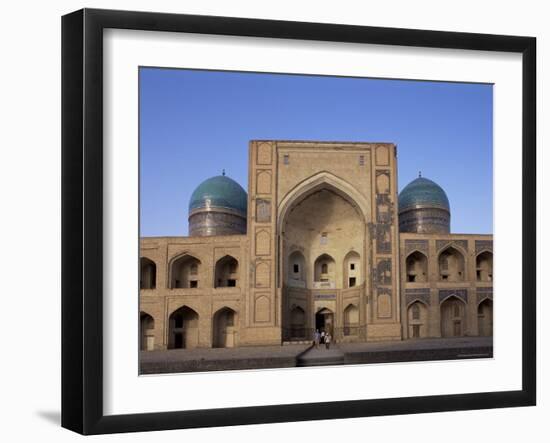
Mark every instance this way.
x=125 y=392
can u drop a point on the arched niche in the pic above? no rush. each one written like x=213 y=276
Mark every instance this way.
x=183 y=326
x=451 y=265
x=352 y=270
x=485 y=318
x=417 y=267
x=226 y=272
x=417 y=319
x=383 y=183
x=147 y=273
x=185 y=272
x=147 y=337
x=296 y=270
x=297 y=323
x=225 y=328
x=453 y=317
x=324 y=271
x=484 y=266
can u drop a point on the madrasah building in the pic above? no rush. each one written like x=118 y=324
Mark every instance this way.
x=321 y=241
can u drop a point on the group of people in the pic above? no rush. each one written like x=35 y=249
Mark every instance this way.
x=322 y=338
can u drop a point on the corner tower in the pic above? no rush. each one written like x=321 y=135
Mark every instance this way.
x=424 y=208
x=218 y=207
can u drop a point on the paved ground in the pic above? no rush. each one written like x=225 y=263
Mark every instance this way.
x=200 y=360
x=321 y=356
x=422 y=343
x=261 y=357
x=418 y=350
x=223 y=353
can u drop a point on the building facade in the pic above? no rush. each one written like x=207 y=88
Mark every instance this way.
x=320 y=241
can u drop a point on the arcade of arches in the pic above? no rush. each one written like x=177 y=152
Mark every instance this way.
x=449 y=295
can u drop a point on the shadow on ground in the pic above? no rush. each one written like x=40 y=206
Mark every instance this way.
x=54 y=417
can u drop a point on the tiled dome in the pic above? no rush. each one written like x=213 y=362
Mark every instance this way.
x=219 y=192
x=423 y=193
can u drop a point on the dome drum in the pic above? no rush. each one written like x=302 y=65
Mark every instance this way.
x=425 y=221
x=207 y=223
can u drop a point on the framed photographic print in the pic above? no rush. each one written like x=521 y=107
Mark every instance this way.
x=269 y=221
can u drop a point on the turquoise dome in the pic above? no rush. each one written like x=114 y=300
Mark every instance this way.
x=423 y=193
x=219 y=192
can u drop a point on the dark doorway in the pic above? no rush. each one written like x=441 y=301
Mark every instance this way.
x=184 y=328
x=324 y=321
x=178 y=340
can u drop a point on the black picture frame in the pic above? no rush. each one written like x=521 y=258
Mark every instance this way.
x=82 y=218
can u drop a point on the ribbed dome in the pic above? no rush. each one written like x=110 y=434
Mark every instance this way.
x=219 y=192
x=423 y=193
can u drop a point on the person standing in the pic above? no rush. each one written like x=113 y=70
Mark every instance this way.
x=323 y=336
x=316 y=338
x=328 y=339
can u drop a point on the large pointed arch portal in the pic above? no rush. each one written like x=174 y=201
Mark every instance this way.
x=323 y=218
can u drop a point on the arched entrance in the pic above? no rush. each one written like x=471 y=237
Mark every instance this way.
x=184 y=329
x=324 y=218
x=224 y=328
x=485 y=318
x=147 y=337
x=324 y=321
x=453 y=318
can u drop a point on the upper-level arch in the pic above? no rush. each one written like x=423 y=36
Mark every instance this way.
x=147 y=273
x=484 y=266
x=324 y=271
x=226 y=272
x=184 y=271
x=451 y=265
x=416 y=265
x=323 y=180
x=352 y=270
x=296 y=270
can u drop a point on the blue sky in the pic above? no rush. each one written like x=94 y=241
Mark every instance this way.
x=193 y=124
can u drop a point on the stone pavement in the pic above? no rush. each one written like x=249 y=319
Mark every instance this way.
x=418 y=350
x=263 y=357
x=321 y=356
x=217 y=359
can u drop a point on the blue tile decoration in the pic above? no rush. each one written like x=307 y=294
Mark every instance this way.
x=219 y=192
x=460 y=293
x=422 y=294
x=423 y=193
x=484 y=245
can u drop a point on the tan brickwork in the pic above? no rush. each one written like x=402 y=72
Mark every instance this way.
x=322 y=247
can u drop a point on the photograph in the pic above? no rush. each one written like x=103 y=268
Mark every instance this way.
x=292 y=220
